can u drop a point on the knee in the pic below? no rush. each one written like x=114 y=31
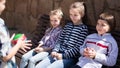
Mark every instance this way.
x=32 y=60
x=24 y=58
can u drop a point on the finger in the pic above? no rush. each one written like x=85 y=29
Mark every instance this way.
x=28 y=44
x=27 y=41
x=27 y=47
x=85 y=49
x=24 y=49
x=92 y=49
x=22 y=36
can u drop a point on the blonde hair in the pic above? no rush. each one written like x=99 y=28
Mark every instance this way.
x=79 y=6
x=57 y=12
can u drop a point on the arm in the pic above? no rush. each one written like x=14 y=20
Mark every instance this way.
x=58 y=41
x=6 y=44
x=50 y=43
x=13 y=51
x=54 y=38
x=37 y=49
x=83 y=47
x=41 y=42
x=74 y=51
x=111 y=57
x=56 y=48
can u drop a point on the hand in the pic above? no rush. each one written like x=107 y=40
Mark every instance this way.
x=89 y=52
x=35 y=49
x=38 y=49
x=24 y=44
x=86 y=52
x=53 y=54
x=38 y=46
x=59 y=56
x=92 y=53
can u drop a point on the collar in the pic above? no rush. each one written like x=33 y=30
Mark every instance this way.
x=104 y=35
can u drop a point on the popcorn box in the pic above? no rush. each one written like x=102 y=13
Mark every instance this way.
x=17 y=36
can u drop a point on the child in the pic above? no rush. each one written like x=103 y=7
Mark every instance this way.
x=99 y=48
x=47 y=42
x=7 y=52
x=66 y=52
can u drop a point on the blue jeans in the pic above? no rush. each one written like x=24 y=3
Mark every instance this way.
x=33 y=58
x=51 y=62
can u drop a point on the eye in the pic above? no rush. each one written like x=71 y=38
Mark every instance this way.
x=102 y=25
x=51 y=20
x=97 y=24
x=75 y=15
x=70 y=14
x=55 y=20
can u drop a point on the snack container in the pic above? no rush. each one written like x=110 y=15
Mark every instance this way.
x=17 y=36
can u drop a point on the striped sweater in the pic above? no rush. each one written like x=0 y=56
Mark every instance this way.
x=71 y=38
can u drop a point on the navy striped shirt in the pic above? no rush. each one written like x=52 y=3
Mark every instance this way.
x=71 y=38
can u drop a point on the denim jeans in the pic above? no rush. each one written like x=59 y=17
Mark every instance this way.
x=51 y=62
x=33 y=58
x=76 y=66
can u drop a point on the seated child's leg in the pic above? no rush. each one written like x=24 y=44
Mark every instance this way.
x=25 y=58
x=65 y=63
x=38 y=57
x=45 y=62
x=75 y=66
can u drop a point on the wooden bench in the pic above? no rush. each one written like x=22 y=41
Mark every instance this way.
x=43 y=23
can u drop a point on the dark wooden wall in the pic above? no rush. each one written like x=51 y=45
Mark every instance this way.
x=22 y=14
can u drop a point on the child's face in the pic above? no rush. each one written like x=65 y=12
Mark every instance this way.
x=102 y=27
x=2 y=5
x=75 y=16
x=55 y=20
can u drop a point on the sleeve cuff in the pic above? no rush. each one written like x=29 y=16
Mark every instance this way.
x=40 y=42
x=99 y=57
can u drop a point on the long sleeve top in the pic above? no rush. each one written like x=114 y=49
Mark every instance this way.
x=50 y=37
x=106 y=51
x=71 y=38
x=5 y=46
